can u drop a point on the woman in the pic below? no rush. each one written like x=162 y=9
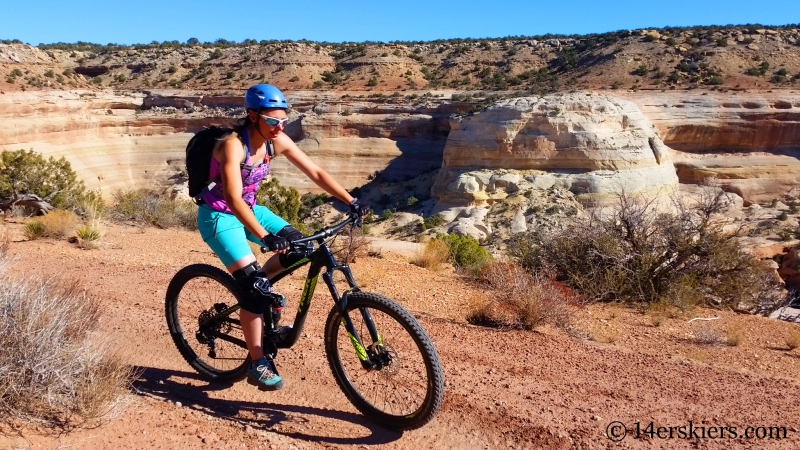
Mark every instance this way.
x=228 y=215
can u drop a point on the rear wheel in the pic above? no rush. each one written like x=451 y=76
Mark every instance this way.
x=195 y=298
x=404 y=387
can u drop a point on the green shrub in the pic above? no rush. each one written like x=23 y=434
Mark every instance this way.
x=27 y=172
x=387 y=214
x=286 y=202
x=466 y=252
x=641 y=71
x=88 y=233
x=309 y=201
x=432 y=222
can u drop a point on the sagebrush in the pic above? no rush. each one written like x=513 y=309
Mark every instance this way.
x=515 y=298
x=154 y=208
x=639 y=253
x=56 y=368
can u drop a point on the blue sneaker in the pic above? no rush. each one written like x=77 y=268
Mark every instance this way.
x=262 y=373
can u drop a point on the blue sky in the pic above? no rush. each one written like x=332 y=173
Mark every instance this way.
x=143 y=21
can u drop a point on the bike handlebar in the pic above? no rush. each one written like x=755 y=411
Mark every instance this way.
x=325 y=232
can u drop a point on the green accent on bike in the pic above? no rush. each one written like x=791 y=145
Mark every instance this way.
x=298 y=264
x=360 y=350
x=292 y=267
x=308 y=292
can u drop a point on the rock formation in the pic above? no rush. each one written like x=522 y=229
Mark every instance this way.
x=748 y=142
x=593 y=145
x=129 y=141
x=590 y=144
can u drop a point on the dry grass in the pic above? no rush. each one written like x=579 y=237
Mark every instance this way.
x=736 y=335
x=433 y=255
x=59 y=223
x=517 y=299
x=605 y=337
x=660 y=311
x=793 y=339
x=55 y=367
x=698 y=355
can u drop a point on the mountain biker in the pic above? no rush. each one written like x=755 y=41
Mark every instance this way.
x=228 y=215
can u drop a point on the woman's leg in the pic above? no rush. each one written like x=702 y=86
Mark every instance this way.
x=251 y=322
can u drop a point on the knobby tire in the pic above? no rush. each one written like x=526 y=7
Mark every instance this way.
x=379 y=393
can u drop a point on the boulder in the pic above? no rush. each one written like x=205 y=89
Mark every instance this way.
x=591 y=144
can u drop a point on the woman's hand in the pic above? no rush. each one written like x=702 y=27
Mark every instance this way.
x=360 y=209
x=275 y=243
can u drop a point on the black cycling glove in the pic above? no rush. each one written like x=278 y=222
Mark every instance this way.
x=275 y=243
x=360 y=209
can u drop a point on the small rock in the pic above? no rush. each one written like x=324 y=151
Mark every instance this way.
x=178 y=404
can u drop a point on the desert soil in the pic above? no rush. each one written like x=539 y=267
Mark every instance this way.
x=505 y=388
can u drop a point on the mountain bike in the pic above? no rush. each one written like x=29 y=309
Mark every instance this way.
x=380 y=356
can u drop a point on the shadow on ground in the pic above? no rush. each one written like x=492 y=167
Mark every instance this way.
x=161 y=383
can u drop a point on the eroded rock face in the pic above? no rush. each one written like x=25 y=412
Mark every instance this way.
x=748 y=142
x=131 y=141
x=356 y=139
x=593 y=145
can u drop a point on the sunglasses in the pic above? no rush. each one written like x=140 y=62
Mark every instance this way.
x=273 y=122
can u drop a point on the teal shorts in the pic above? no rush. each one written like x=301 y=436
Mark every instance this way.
x=227 y=237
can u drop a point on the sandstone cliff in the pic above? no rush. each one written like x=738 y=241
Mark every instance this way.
x=117 y=141
x=590 y=144
x=749 y=142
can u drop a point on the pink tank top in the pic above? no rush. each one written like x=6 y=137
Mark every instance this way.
x=252 y=176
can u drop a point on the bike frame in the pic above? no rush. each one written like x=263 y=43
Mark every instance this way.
x=320 y=258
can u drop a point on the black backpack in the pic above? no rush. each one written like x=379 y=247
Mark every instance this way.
x=199 y=151
x=198 y=158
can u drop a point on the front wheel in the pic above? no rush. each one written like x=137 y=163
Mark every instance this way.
x=401 y=385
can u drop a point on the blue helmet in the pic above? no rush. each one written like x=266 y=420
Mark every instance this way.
x=264 y=96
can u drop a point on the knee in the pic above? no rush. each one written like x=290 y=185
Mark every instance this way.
x=248 y=278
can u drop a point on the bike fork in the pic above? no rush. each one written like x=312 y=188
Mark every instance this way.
x=355 y=338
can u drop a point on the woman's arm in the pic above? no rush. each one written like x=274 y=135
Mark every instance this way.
x=230 y=154
x=286 y=147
